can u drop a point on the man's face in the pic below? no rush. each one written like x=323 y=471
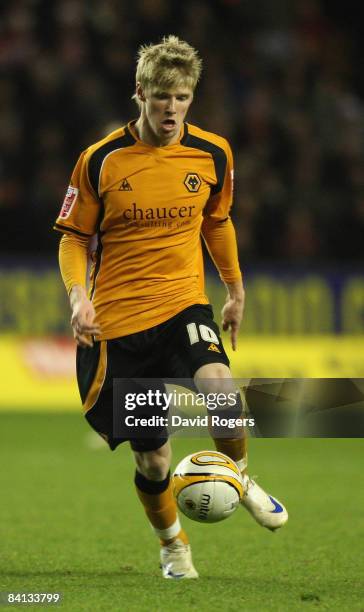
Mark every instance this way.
x=165 y=112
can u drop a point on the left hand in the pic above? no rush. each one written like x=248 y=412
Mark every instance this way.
x=232 y=314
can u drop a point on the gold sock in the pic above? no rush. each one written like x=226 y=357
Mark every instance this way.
x=161 y=509
x=236 y=449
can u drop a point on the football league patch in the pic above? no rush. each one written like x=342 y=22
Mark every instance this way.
x=68 y=202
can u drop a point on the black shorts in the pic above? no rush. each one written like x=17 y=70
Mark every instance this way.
x=176 y=348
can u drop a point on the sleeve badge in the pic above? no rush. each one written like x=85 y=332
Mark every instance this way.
x=68 y=202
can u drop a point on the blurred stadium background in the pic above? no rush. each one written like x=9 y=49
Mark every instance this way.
x=282 y=80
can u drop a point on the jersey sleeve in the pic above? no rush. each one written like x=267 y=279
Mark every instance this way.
x=217 y=227
x=73 y=260
x=80 y=210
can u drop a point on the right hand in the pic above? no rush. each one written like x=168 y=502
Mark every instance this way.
x=83 y=317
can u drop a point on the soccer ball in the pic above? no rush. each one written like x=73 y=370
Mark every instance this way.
x=208 y=486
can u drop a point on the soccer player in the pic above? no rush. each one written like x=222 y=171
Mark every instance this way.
x=151 y=191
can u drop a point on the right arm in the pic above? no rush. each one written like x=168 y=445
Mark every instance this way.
x=73 y=265
x=78 y=221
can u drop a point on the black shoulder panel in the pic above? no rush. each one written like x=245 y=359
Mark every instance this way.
x=96 y=159
x=218 y=155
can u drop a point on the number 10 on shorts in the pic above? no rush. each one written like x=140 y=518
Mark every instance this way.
x=205 y=332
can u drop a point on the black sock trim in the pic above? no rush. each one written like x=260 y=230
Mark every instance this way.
x=153 y=487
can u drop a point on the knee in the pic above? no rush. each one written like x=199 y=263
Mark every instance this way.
x=214 y=378
x=213 y=370
x=153 y=465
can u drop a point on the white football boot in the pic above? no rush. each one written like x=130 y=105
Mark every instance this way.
x=264 y=508
x=176 y=561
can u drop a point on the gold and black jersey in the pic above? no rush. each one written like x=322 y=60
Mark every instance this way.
x=148 y=207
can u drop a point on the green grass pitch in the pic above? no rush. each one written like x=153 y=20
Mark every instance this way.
x=71 y=523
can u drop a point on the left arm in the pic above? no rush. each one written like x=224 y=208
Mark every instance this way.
x=220 y=240
x=232 y=312
x=219 y=235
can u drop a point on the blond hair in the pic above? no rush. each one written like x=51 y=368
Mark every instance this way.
x=170 y=63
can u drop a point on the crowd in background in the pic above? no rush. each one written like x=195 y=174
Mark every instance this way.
x=282 y=81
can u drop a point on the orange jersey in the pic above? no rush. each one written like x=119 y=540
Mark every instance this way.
x=148 y=206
